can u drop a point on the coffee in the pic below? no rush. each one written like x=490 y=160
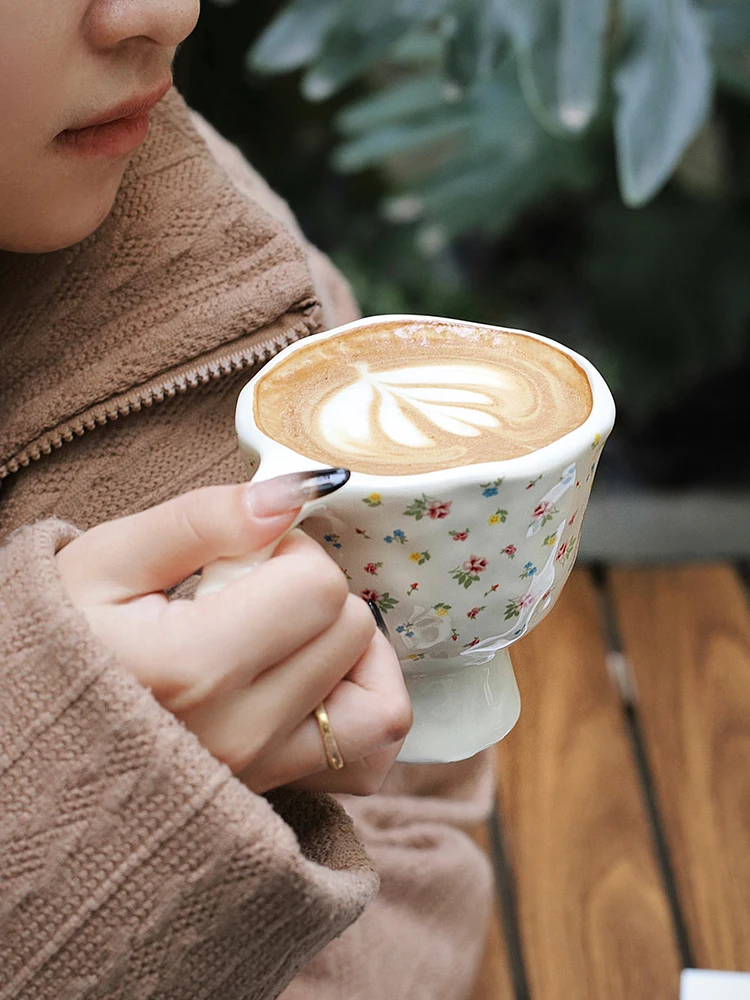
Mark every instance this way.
x=401 y=398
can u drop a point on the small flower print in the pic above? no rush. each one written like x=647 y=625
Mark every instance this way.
x=499 y=517
x=373 y=568
x=333 y=540
x=573 y=517
x=514 y=607
x=550 y=539
x=373 y=500
x=474 y=641
x=428 y=507
x=571 y=547
x=528 y=570
x=414 y=586
x=346 y=574
x=578 y=484
x=492 y=589
x=405 y=630
x=533 y=482
x=459 y=536
x=454 y=634
x=561 y=552
x=490 y=489
x=509 y=551
x=468 y=572
x=416 y=656
x=441 y=609
x=420 y=557
x=544 y=512
x=384 y=601
x=474 y=612
x=361 y=531
x=595 y=442
x=398 y=536
x=437 y=511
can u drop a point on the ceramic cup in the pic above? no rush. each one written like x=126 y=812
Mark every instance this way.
x=461 y=562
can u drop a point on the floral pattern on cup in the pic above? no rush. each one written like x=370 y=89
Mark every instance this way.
x=398 y=537
x=468 y=572
x=458 y=579
x=425 y=506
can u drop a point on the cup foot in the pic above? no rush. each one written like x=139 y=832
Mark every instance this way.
x=458 y=714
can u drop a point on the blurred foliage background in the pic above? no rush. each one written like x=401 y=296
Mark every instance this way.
x=580 y=168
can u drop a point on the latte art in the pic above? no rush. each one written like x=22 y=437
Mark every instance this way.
x=398 y=404
x=399 y=399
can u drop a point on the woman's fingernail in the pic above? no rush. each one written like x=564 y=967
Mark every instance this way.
x=379 y=620
x=285 y=493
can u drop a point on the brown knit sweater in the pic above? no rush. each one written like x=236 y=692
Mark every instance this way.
x=132 y=864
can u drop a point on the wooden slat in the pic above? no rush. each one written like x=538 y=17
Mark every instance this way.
x=687 y=632
x=494 y=981
x=595 y=921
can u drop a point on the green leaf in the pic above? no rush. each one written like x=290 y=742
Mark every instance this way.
x=381 y=144
x=474 y=36
x=418 y=95
x=560 y=49
x=727 y=21
x=663 y=85
x=728 y=26
x=295 y=37
x=503 y=164
x=583 y=24
x=362 y=34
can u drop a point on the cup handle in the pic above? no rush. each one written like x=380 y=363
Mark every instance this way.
x=219 y=574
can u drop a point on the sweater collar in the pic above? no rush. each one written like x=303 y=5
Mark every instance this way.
x=184 y=269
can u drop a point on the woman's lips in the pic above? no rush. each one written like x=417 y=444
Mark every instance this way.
x=116 y=132
x=113 y=140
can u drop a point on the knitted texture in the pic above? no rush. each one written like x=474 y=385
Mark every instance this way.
x=133 y=865
x=183 y=266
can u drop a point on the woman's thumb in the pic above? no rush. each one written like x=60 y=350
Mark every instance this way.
x=157 y=548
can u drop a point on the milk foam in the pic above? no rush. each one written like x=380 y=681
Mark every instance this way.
x=403 y=398
x=386 y=402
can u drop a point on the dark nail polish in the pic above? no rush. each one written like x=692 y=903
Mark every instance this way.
x=276 y=496
x=321 y=482
x=379 y=620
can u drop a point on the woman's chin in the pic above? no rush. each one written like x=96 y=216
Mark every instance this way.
x=62 y=222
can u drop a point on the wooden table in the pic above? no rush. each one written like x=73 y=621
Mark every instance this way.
x=621 y=842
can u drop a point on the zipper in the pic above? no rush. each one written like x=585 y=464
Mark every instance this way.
x=212 y=368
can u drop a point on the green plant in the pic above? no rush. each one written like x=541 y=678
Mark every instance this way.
x=496 y=103
x=492 y=152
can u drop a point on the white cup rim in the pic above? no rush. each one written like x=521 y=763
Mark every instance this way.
x=272 y=453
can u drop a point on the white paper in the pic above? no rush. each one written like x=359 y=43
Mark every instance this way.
x=701 y=984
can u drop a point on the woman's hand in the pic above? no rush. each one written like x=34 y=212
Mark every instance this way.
x=245 y=668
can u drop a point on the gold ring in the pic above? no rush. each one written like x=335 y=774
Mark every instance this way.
x=333 y=754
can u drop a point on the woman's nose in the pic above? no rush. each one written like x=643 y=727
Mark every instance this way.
x=166 y=22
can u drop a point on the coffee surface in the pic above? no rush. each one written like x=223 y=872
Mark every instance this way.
x=405 y=398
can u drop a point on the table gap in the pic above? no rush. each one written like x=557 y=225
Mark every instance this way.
x=505 y=886
x=629 y=707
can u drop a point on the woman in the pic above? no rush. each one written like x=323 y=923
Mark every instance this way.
x=166 y=827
